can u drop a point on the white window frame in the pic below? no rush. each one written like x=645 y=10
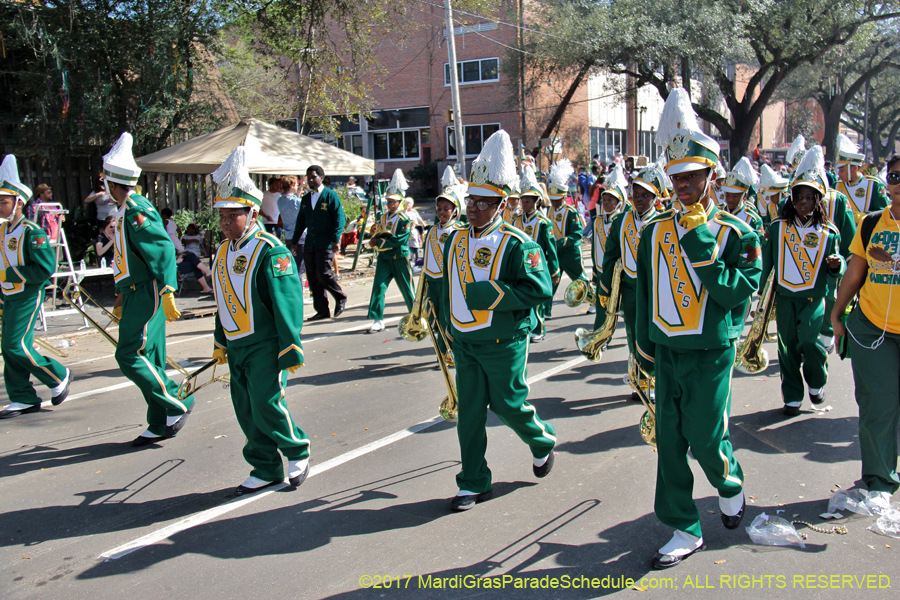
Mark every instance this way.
x=388 y=132
x=460 y=64
x=447 y=129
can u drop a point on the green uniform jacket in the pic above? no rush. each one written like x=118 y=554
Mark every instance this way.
x=748 y=215
x=144 y=251
x=539 y=228
x=493 y=283
x=567 y=226
x=614 y=250
x=325 y=223
x=868 y=195
x=838 y=209
x=273 y=310
x=693 y=286
x=28 y=259
x=798 y=273
x=395 y=245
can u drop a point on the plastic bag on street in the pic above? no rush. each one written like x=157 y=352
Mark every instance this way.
x=889 y=522
x=854 y=500
x=773 y=531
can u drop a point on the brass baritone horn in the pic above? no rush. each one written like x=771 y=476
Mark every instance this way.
x=643 y=385
x=580 y=291
x=751 y=358
x=592 y=343
x=412 y=327
x=74 y=292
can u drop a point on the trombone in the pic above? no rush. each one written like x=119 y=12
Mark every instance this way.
x=74 y=294
x=450 y=404
x=751 y=358
x=413 y=327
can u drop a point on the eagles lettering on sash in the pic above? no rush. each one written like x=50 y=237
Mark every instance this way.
x=240 y=265
x=482 y=258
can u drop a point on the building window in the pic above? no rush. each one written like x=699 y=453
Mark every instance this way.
x=401 y=118
x=607 y=143
x=647 y=145
x=396 y=145
x=474 y=71
x=354 y=144
x=474 y=136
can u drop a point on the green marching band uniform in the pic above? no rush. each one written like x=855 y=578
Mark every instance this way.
x=802 y=279
x=257 y=329
x=622 y=243
x=600 y=234
x=837 y=205
x=28 y=263
x=145 y=275
x=433 y=265
x=696 y=272
x=493 y=281
x=770 y=201
x=568 y=228
x=393 y=250
x=540 y=229
x=739 y=181
x=866 y=194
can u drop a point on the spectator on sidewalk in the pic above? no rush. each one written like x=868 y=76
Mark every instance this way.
x=289 y=208
x=106 y=206
x=269 y=213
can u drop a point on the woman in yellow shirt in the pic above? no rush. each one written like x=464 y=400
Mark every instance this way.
x=873 y=329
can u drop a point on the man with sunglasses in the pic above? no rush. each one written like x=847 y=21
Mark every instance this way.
x=495 y=277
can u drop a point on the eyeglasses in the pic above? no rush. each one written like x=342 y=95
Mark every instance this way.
x=893 y=178
x=481 y=204
x=230 y=218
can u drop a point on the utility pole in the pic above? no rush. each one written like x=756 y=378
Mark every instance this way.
x=865 y=136
x=454 y=93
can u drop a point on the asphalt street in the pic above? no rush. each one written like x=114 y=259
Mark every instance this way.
x=87 y=516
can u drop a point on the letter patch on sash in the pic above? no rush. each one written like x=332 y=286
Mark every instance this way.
x=281 y=266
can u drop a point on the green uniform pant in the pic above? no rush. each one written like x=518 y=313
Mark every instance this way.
x=693 y=399
x=571 y=264
x=799 y=323
x=492 y=375
x=388 y=269
x=831 y=287
x=20 y=360
x=433 y=294
x=257 y=393
x=141 y=354
x=876 y=375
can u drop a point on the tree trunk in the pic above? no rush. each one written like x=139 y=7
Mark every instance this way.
x=563 y=104
x=832 y=108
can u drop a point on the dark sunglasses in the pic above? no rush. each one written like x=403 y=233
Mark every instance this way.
x=893 y=178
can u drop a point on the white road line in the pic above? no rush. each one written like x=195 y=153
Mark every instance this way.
x=199 y=337
x=209 y=514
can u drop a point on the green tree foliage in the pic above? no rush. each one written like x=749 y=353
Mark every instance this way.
x=83 y=71
x=883 y=113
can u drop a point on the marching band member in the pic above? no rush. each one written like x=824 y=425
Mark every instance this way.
x=494 y=277
x=539 y=228
x=28 y=263
x=721 y=172
x=448 y=209
x=795 y=153
x=697 y=269
x=613 y=201
x=837 y=207
x=622 y=243
x=568 y=228
x=771 y=199
x=803 y=249
x=393 y=248
x=741 y=179
x=146 y=277
x=866 y=194
x=874 y=339
x=513 y=210
x=257 y=330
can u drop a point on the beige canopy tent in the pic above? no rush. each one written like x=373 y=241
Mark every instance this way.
x=270 y=150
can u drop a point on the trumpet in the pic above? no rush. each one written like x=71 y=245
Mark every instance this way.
x=74 y=294
x=580 y=291
x=413 y=327
x=643 y=384
x=592 y=343
x=751 y=358
x=450 y=404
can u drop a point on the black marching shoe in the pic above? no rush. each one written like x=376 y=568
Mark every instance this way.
x=141 y=441
x=296 y=480
x=790 y=411
x=242 y=490
x=734 y=521
x=317 y=317
x=544 y=469
x=818 y=398
x=173 y=429
x=461 y=503
x=61 y=397
x=15 y=412
x=667 y=561
x=340 y=307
